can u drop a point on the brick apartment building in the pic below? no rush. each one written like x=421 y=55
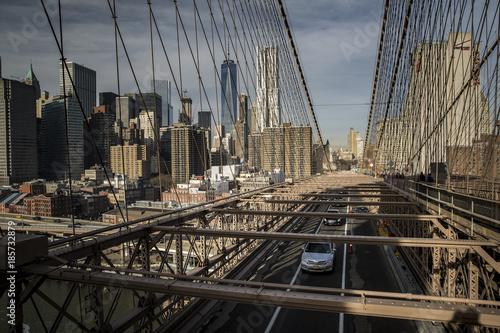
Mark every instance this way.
x=48 y=205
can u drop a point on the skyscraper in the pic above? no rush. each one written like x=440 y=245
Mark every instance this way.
x=244 y=111
x=31 y=80
x=148 y=123
x=166 y=149
x=18 y=132
x=164 y=89
x=241 y=141
x=254 y=151
x=288 y=148
x=101 y=125
x=188 y=156
x=137 y=161
x=444 y=96
x=54 y=148
x=186 y=116
x=204 y=119
x=152 y=102
x=229 y=95
x=108 y=98
x=127 y=108
x=268 y=104
x=85 y=85
x=355 y=144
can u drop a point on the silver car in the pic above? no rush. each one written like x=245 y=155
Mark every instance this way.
x=333 y=220
x=318 y=257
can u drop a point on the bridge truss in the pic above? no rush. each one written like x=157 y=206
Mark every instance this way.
x=180 y=263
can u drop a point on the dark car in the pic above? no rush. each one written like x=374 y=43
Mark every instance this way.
x=22 y=224
x=56 y=220
x=36 y=218
x=71 y=226
x=341 y=200
x=362 y=210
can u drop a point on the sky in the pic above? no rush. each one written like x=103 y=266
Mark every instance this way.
x=337 y=42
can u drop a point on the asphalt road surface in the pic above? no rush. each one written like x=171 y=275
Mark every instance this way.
x=366 y=269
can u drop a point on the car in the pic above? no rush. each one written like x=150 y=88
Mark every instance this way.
x=71 y=226
x=343 y=199
x=340 y=199
x=22 y=224
x=78 y=223
x=324 y=199
x=56 y=220
x=333 y=220
x=318 y=257
x=362 y=210
x=36 y=218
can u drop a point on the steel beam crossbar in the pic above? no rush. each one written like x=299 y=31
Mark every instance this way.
x=349 y=304
x=334 y=203
x=352 y=195
x=414 y=217
x=341 y=239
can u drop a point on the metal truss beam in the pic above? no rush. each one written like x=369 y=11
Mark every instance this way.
x=414 y=217
x=85 y=247
x=347 y=239
x=328 y=189
x=495 y=264
x=353 y=190
x=189 y=213
x=337 y=203
x=316 y=301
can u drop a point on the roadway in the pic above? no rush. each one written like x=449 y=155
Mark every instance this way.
x=365 y=268
x=47 y=225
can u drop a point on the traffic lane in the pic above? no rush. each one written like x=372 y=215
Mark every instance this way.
x=279 y=267
x=295 y=320
x=368 y=269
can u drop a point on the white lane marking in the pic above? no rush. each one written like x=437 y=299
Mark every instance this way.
x=341 y=315
x=278 y=309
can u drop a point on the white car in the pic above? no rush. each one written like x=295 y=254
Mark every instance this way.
x=318 y=257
